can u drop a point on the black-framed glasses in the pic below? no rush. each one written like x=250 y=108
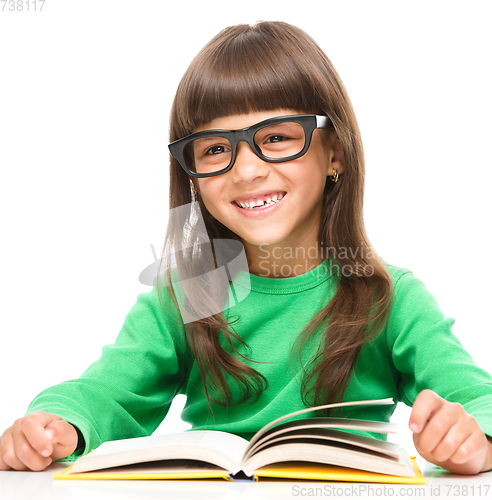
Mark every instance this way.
x=279 y=139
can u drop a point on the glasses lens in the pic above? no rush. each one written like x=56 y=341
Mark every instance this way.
x=281 y=140
x=208 y=154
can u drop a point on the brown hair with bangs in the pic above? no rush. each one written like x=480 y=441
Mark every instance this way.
x=268 y=66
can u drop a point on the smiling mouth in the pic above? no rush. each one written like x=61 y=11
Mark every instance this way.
x=263 y=203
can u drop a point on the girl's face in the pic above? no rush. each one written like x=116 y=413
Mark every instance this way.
x=295 y=221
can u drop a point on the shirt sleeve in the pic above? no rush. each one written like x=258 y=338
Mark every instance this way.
x=128 y=391
x=428 y=355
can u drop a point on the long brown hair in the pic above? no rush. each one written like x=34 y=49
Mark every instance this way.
x=268 y=66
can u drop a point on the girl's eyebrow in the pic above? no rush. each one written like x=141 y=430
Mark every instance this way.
x=244 y=128
x=212 y=138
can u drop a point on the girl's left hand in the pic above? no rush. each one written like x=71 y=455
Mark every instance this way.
x=446 y=435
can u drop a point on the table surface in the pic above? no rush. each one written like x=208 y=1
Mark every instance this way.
x=15 y=485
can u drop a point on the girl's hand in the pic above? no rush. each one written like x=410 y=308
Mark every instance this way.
x=445 y=435
x=35 y=440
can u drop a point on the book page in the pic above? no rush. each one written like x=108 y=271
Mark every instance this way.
x=312 y=424
x=216 y=447
x=329 y=435
x=342 y=454
x=163 y=466
x=277 y=421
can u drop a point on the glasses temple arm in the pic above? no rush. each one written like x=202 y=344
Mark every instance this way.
x=322 y=121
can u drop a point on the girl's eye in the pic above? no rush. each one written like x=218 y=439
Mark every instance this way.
x=215 y=150
x=277 y=138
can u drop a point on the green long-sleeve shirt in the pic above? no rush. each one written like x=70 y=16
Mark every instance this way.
x=127 y=392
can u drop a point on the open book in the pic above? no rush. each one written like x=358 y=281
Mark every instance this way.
x=309 y=448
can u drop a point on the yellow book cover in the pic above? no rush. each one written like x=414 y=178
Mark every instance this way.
x=290 y=472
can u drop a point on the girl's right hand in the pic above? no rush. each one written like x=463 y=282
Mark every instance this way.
x=36 y=440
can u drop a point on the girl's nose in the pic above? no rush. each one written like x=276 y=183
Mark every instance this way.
x=248 y=165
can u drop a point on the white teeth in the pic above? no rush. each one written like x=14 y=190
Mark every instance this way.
x=270 y=201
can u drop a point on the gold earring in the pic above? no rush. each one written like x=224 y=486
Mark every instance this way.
x=334 y=177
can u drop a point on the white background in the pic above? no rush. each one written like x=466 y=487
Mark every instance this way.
x=85 y=94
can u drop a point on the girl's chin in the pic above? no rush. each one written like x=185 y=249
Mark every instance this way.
x=261 y=242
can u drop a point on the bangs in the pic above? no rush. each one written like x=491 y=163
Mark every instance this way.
x=251 y=70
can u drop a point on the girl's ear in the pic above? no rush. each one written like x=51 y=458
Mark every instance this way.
x=338 y=158
x=195 y=184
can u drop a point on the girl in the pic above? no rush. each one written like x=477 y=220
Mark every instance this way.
x=267 y=164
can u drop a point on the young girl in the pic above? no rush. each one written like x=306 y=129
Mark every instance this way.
x=267 y=182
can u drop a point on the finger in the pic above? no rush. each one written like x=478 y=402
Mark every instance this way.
x=64 y=438
x=3 y=465
x=8 y=453
x=454 y=439
x=472 y=446
x=438 y=426
x=5 y=441
x=425 y=405
x=25 y=453
x=33 y=427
